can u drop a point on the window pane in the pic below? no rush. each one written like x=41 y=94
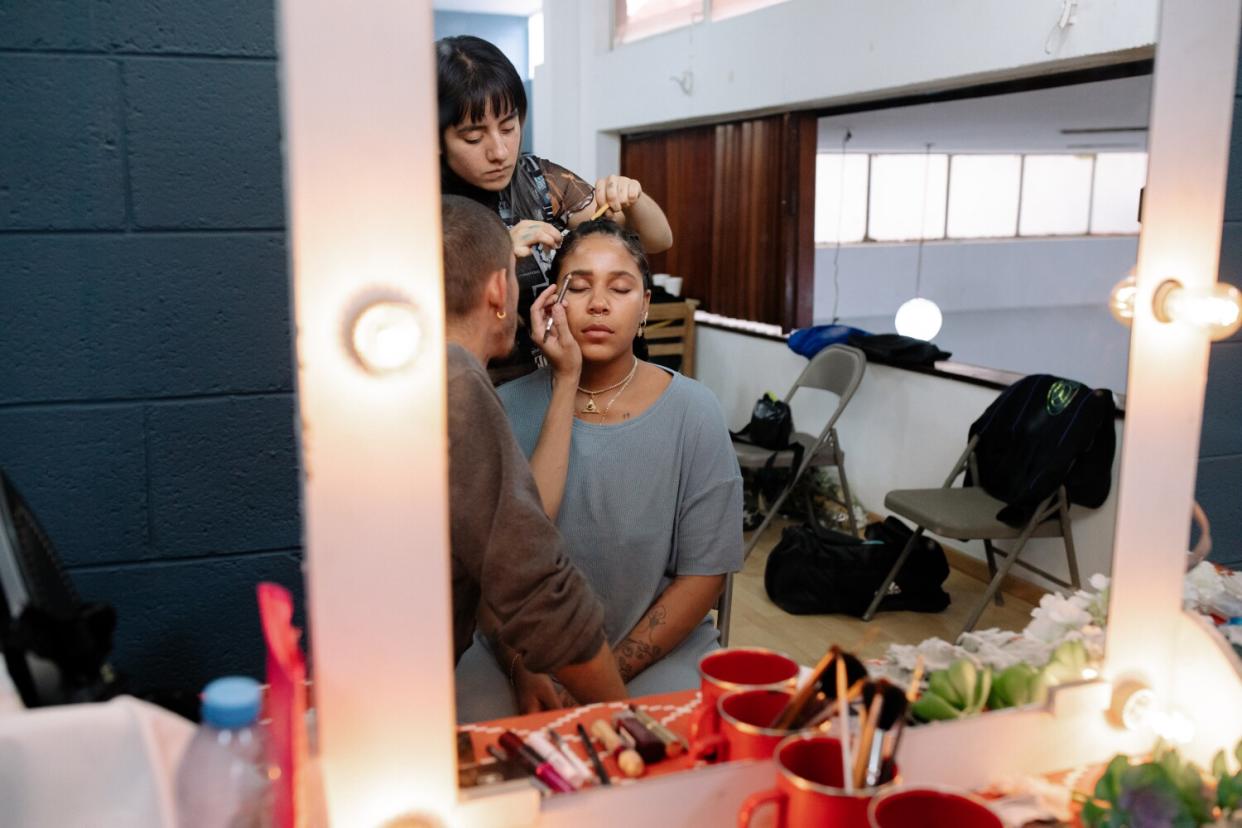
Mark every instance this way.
x=840 y=197
x=534 y=39
x=722 y=9
x=641 y=18
x=1056 y=195
x=1119 y=177
x=899 y=211
x=983 y=195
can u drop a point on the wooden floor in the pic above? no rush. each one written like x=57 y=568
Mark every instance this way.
x=759 y=622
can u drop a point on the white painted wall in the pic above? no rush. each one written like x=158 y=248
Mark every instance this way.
x=798 y=54
x=902 y=430
x=973 y=275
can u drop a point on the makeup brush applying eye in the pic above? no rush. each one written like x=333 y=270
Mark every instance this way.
x=560 y=297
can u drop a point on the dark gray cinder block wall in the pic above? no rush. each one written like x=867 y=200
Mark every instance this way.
x=1219 y=486
x=146 y=407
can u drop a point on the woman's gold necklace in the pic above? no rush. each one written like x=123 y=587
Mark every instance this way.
x=591 y=408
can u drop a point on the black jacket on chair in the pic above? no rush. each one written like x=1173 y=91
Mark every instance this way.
x=1041 y=433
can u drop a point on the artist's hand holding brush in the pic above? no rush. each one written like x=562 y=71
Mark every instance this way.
x=622 y=200
x=549 y=327
x=550 y=460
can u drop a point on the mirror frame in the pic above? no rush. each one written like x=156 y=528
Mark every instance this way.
x=363 y=216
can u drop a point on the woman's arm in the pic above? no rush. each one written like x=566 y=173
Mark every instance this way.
x=672 y=616
x=627 y=204
x=550 y=461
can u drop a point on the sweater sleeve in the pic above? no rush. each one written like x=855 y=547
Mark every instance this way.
x=504 y=541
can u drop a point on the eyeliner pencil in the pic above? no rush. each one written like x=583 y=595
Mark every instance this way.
x=600 y=771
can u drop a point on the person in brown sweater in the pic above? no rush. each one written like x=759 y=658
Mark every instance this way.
x=509 y=563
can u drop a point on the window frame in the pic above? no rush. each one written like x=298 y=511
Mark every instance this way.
x=944 y=235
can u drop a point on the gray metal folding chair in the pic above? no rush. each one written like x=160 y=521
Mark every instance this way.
x=837 y=369
x=969 y=513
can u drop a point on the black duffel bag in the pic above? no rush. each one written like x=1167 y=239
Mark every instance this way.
x=814 y=571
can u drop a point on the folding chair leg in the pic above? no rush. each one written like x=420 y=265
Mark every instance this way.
x=991 y=551
x=994 y=585
x=1067 y=535
x=892 y=574
x=845 y=488
x=773 y=511
x=724 y=610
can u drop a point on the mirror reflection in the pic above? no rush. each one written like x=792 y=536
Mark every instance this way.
x=146 y=414
x=931 y=453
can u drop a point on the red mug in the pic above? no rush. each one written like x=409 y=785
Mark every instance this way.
x=809 y=788
x=745 y=717
x=930 y=808
x=724 y=671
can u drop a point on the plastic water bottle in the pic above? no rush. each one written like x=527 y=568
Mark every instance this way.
x=222 y=780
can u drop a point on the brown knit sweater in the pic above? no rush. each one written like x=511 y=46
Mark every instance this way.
x=506 y=552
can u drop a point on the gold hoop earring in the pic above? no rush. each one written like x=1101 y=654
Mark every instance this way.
x=501 y=314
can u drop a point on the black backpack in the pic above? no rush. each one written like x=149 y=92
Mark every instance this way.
x=813 y=571
x=55 y=647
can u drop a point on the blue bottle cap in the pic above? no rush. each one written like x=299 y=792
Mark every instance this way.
x=231 y=702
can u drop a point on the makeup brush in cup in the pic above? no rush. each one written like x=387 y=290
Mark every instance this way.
x=823 y=719
x=820 y=679
x=887 y=704
x=912 y=695
x=843 y=713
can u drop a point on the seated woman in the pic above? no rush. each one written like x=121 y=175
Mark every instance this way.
x=637 y=466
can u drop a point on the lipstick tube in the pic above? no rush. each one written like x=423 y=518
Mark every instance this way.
x=547 y=751
x=648 y=745
x=542 y=770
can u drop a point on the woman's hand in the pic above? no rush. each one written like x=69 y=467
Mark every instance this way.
x=618 y=193
x=534 y=692
x=558 y=344
x=527 y=233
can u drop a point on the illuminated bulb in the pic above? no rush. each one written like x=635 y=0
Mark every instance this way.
x=386 y=336
x=1218 y=308
x=919 y=318
x=1121 y=300
x=1137 y=709
x=1090 y=673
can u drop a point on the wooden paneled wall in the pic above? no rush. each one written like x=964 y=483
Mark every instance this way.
x=741 y=200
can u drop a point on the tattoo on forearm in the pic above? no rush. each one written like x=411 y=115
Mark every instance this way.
x=655 y=618
x=633 y=655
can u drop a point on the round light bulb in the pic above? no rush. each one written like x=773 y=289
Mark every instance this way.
x=1137 y=708
x=1121 y=300
x=1218 y=308
x=386 y=336
x=919 y=318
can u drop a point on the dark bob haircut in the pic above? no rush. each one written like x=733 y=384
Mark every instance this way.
x=473 y=75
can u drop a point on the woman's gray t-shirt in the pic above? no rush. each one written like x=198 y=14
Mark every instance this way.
x=647 y=499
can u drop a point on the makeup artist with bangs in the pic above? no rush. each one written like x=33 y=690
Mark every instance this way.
x=482 y=107
x=510 y=568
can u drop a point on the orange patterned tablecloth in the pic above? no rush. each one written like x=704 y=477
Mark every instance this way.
x=673 y=710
